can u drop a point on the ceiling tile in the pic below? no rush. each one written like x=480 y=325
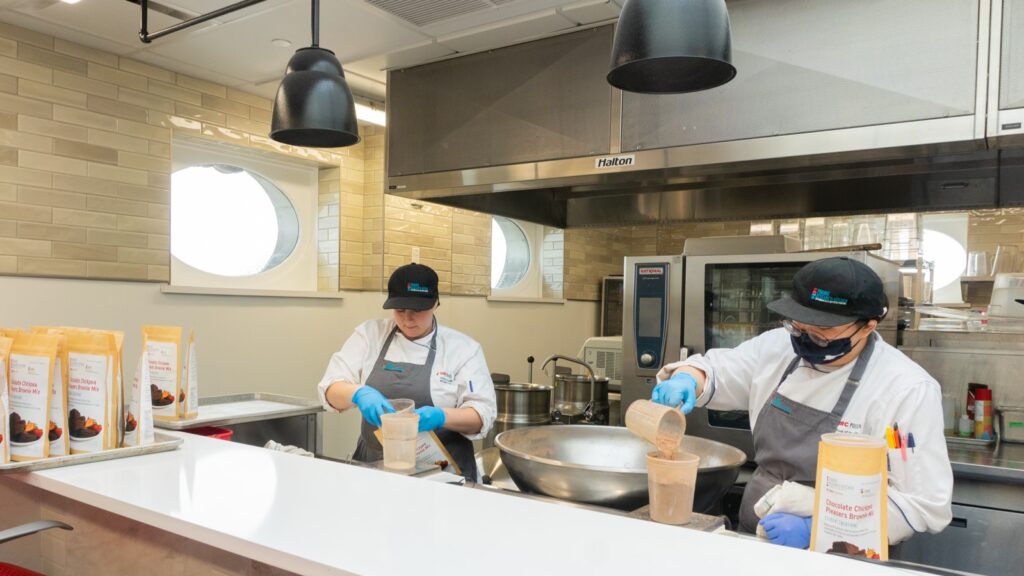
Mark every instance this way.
x=590 y=11
x=412 y=56
x=113 y=21
x=508 y=32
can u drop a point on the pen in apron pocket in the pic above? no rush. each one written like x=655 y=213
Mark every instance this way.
x=470 y=386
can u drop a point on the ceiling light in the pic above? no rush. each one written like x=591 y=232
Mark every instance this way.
x=672 y=46
x=281 y=43
x=314 y=105
x=370 y=114
x=71 y=1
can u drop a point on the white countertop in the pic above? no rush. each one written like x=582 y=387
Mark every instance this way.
x=320 y=517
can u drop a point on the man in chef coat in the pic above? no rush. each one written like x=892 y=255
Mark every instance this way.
x=411 y=355
x=825 y=370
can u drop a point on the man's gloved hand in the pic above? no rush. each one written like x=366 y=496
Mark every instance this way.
x=372 y=404
x=788 y=529
x=681 y=388
x=431 y=418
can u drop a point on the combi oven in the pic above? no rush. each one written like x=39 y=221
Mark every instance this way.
x=678 y=305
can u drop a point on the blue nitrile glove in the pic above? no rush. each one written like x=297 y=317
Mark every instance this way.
x=372 y=404
x=788 y=529
x=431 y=418
x=681 y=388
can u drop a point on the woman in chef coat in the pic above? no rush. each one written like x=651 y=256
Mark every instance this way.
x=412 y=356
x=825 y=370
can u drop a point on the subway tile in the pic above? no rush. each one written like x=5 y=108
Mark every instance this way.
x=158 y=149
x=50 y=197
x=83 y=184
x=117 y=271
x=225 y=105
x=143 y=256
x=114 y=238
x=45 y=127
x=253 y=100
x=26 y=36
x=119 y=77
x=143 y=162
x=39 y=91
x=39 y=161
x=202 y=86
x=158 y=180
x=83 y=118
x=246 y=125
x=26 y=70
x=174 y=122
x=158 y=211
x=8 y=193
x=197 y=113
x=117 y=206
x=118 y=174
x=21 y=105
x=85 y=52
x=60 y=233
x=158 y=133
x=118 y=109
x=24 y=212
x=8 y=84
x=226 y=134
x=144 y=225
x=159 y=273
x=8 y=156
x=176 y=93
x=51 y=267
x=24 y=247
x=261 y=116
x=18 y=175
x=136 y=67
x=84 y=151
x=146 y=100
x=8 y=47
x=83 y=84
x=84 y=218
x=115 y=141
x=50 y=59
x=144 y=193
x=159 y=242
x=8 y=264
x=79 y=251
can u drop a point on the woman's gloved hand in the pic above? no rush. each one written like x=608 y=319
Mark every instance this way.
x=681 y=388
x=431 y=418
x=788 y=529
x=372 y=404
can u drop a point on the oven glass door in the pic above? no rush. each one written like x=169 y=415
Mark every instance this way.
x=736 y=298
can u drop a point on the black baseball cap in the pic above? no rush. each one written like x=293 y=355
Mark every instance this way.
x=412 y=287
x=832 y=292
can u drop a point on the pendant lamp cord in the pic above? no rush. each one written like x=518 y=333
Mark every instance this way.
x=316 y=23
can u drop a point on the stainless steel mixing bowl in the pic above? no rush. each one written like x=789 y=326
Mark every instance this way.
x=606 y=465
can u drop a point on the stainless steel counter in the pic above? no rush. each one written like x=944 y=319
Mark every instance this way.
x=1003 y=463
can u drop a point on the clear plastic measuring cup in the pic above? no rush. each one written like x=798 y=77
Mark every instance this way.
x=663 y=426
x=671 y=483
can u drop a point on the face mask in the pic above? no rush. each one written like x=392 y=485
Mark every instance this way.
x=816 y=355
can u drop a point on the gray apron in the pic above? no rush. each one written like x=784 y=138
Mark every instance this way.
x=407 y=380
x=786 y=438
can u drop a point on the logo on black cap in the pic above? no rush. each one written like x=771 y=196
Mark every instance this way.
x=412 y=287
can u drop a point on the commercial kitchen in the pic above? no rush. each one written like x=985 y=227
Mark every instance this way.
x=571 y=202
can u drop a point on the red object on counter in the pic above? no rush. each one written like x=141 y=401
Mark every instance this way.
x=212 y=432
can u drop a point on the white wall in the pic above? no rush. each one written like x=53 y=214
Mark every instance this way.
x=281 y=345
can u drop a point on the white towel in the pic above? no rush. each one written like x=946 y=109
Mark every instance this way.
x=271 y=445
x=788 y=497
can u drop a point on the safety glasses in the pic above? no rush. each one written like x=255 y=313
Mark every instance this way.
x=817 y=339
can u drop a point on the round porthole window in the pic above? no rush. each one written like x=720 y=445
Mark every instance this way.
x=229 y=221
x=510 y=253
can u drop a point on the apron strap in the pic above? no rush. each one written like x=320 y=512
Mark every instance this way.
x=854 y=380
x=391 y=336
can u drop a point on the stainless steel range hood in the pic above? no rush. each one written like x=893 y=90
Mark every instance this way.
x=533 y=131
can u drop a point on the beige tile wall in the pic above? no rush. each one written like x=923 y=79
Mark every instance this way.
x=987 y=229
x=328 y=229
x=85 y=148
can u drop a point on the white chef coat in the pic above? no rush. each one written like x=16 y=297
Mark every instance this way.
x=893 y=389
x=459 y=361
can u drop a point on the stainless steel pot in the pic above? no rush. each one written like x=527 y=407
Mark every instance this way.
x=572 y=396
x=607 y=466
x=520 y=405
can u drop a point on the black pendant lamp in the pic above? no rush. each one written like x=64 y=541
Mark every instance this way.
x=671 y=46
x=314 y=106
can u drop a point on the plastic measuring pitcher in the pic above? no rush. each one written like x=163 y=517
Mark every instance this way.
x=671 y=483
x=663 y=426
